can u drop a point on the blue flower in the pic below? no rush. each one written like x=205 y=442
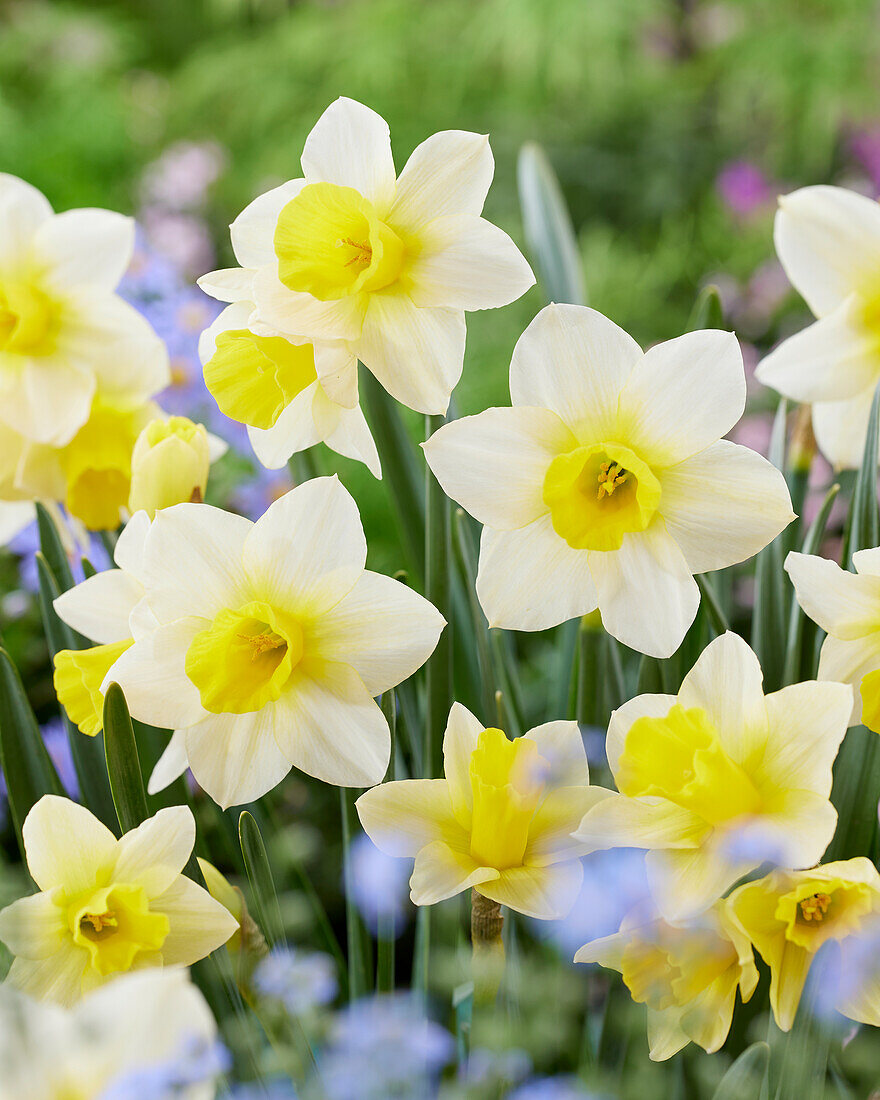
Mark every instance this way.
x=553 y=1088
x=301 y=981
x=56 y=741
x=379 y=886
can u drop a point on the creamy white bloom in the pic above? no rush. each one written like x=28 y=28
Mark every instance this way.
x=271 y=383
x=607 y=483
x=272 y=641
x=386 y=264
x=140 y=1023
x=63 y=330
x=847 y=607
x=828 y=241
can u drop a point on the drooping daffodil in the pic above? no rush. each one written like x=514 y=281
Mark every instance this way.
x=828 y=241
x=387 y=265
x=791 y=915
x=106 y=906
x=500 y=821
x=64 y=332
x=607 y=484
x=268 y=642
x=721 y=778
x=686 y=974
x=847 y=607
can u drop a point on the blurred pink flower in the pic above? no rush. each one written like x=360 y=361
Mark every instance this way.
x=179 y=179
x=744 y=188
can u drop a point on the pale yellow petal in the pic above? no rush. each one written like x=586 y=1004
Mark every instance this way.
x=404 y=816
x=66 y=845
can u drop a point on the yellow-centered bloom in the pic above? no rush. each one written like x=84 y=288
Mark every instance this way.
x=847 y=607
x=828 y=241
x=110 y=1039
x=169 y=465
x=687 y=975
x=64 y=333
x=271 y=383
x=263 y=645
x=790 y=915
x=720 y=778
x=501 y=819
x=607 y=484
x=106 y=906
x=101 y=608
x=385 y=265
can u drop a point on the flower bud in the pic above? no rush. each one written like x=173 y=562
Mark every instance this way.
x=169 y=465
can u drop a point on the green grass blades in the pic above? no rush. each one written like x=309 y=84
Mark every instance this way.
x=123 y=765
x=259 y=875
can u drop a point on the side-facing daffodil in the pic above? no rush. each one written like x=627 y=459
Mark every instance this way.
x=687 y=975
x=500 y=821
x=106 y=906
x=64 y=332
x=271 y=383
x=790 y=915
x=169 y=465
x=100 y=608
x=719 y=778
x=386 y=265
x=828 y=241
x=272 y=641
x=607 y=484
x=847 y=606
x=119 y=1040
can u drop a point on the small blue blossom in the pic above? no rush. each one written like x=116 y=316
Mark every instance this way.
x=301 y=981
x=553 y=1088
x=58 y=744
x=843 y=971
x=379 y=886
x=494 y=1069
x=276 y=1089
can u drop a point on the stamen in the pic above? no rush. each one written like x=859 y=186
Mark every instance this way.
x=99 y=921
x=611 y=474
x=363 y=252
x=815 y=907
x=262 y=643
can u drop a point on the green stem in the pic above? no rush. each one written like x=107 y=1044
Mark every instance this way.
x=437 y=585
x=713 y=608
x=358 y=963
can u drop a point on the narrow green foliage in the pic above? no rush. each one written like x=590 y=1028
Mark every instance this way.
x=51 y=545
x=772 y=592
x=123 y=765
x=259 y=875
x=746 y=1075
x=550 y=237
x=591 y=649
x=709 y=601
x=27 y=766
x=438 y=564
x=359 y=964
x=708 y=311
x=467 y=564
x=87 y=752
x=863 y=524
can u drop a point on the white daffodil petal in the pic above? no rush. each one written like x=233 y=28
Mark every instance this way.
x=308 y=548
x=15 y=515
x=532 y=579
x=848 y=662
x=85 y=248
x=253 y=234
x=382 y=628
x=154 y=854
x=58 y=978
x=619 y=822
x=841 y=428
x=846 y=605
x=807 y=723
x=46 y=400
x=684 y=883
x=494 y=463
x=700 y=370
x=467 y=263
x=833 y=359
x=552 y=830
x=336 y=368
x=449 y=173
x=34 y=926
x=647 y=595
x=560 y=743
x=99 y=607
x=350 y=145
x=23 y=209
x=352 y=438
x=331 y=728
x=229 y=284
x=129 y=550
x=236 y=758
x=574 y=361
x=828 y=240
x=152 y=675
x=416 y=354
x=726 y=682
x=64 y=843
x=199 y=924
x=171 y=764
x=402 y=817
x=546 y=893
x=191 y=541
x=293 y=431
x=441 y=872
x=723 y=505
x=297 y=314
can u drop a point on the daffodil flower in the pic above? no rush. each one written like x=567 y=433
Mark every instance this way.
x=847 y=606
x=699 y=771
x=101 y=608
x=141 y=1024
x=790 y=915
x=272 y=641
x=687 y=975
x=63 y=330
x=106 y=906
x=386 y=265
x=271 y=383
x=607 y=483
x=500 y=821
x=828 y=241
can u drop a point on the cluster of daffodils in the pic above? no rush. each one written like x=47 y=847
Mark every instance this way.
x=264 y=646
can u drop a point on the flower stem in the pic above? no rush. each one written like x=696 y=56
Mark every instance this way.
x=487 y=924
